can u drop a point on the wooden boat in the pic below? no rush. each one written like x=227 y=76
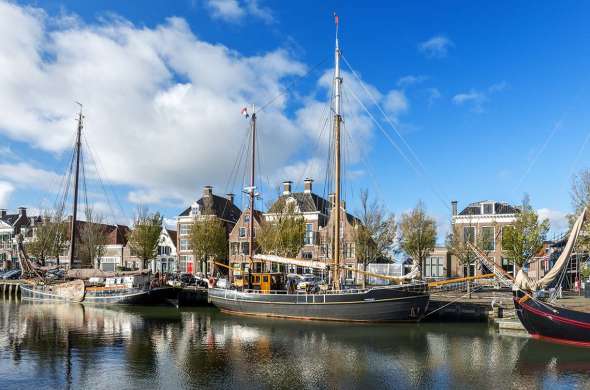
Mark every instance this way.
x=405 y=302
x=73 y=291
x=545 y=320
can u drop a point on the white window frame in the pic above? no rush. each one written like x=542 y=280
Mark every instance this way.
x=493 y=237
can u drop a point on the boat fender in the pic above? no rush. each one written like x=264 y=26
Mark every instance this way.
x=211 y=282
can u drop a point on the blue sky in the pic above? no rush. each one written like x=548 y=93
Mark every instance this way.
x=490 y=97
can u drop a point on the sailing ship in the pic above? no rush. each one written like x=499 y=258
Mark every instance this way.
x=115 y=289
x=402 y=302
x=546 y=320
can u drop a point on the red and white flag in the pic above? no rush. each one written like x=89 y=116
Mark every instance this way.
x=335 y=18
x=244 y=112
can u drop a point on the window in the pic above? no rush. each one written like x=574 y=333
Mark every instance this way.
x=184 y=244
x=469 y=234
x=308 y=234
x=434 y=267
x=487 y=208
x=235 y=248
x=247 y=218
x=245 y=248
x=508 y=265
x=242 y=233
x=349 y=250
x=488 y=241
x=307 y=255
x=185 y=229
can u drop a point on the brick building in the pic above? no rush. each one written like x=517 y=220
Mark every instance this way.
x=209 y=206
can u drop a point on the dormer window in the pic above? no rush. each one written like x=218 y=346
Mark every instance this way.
x=487 y=208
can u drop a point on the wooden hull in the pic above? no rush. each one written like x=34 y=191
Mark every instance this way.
x=59 y=292
x=379 y=304
x=552 y=323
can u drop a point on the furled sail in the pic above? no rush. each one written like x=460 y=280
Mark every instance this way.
x=525 y=283
x=285 y=260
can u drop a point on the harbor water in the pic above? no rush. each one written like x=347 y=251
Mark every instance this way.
x=54 y=346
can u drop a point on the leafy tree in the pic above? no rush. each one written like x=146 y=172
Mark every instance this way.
x=145 y=236
x=524 y=238
x=284 y=235
x=375 y=235
x=208 y=239
x=92 y=240
x=417 y=234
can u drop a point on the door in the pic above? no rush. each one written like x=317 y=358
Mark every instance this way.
x=189 y=267
x=265 y=283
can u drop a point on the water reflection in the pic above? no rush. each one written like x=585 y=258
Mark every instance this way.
x=61 y=346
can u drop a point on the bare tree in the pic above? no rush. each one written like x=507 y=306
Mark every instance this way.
x=93 y=238
x=374 y=233
x=284 y=235
x=580 y=198
x=418 y=234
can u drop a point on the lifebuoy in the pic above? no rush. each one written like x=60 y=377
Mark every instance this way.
x=211 y=282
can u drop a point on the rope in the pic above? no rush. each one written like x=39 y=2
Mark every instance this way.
x=450 y=303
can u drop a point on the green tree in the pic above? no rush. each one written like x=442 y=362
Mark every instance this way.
x=208 y=240
x=524 y=238
x=92 y=240
x=417 y=234
x=145 y=235
x=374 y=233
x=284 y=234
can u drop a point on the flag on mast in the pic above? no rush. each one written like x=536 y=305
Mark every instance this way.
x=335 y=18
x=244 y=112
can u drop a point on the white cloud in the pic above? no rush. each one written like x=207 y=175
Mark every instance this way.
x=558 y=219
x=433 y=95
x=396 y=102
x=25 y=175
x=234 y=10
x=162 y=107
x=409 y=80
x=6 y=189
x=472 y=97
x=436 y=47
x=498 y=87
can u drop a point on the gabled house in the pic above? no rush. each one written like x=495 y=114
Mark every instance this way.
x=10 y=226
x=314 y=209
x=239 y=242
x=166 y=256
x=209 y=206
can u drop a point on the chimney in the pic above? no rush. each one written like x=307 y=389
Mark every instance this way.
x=207 y=191
x=332 y=199
x=230 y=197
x=343 y=204
x=307 y=185
x=22 y=211
x=454 y=207
x=2 y=213
x=287 y=187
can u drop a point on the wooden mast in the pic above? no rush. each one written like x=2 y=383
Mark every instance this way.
x=337 y=184
x=73 y=227
x=252 y=195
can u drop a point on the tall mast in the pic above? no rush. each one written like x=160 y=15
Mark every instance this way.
x=252 y=195
x=337 y=122
x=73 y=228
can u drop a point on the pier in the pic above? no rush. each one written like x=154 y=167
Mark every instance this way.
x=10 y=288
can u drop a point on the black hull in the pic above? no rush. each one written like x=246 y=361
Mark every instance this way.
x=130 y=296
x=553 y=323
x=381 y=304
